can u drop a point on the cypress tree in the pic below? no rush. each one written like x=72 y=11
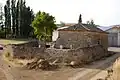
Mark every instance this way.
x=17 y=19
x=13 y=13
x=80 y=19
x=8 y=17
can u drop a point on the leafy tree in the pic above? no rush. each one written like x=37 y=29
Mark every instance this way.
x=43 y=25
x=91 y=23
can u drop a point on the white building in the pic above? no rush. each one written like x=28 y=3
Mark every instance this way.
x=114 y=36
x=56 y=33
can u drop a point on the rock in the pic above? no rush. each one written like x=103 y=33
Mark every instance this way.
x=38 y=64
x=43 y=64
x=73 y=63
x=116 y=70
x=8 y=65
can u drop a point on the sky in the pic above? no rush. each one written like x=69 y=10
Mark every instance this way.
x=103 y=12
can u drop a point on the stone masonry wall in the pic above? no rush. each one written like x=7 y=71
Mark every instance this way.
x=67 y=38
x=25 y=52
x=81 y=55
x=81 y=39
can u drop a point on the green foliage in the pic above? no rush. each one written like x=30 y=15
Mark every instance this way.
x=80 y=19
x=43 y=25
x=91 y=23
x=2 y=33
x=7 y=17
x=18 y=18
x=1 y=17
x=13 y=13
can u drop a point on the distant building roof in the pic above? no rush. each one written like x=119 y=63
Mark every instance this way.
x=104 y=28
x=81 y=26
x=62 y=27
x=114 y=27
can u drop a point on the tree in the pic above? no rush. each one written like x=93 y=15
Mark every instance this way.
x=62 y=23
x=2 y=30
x=91 y=23
x=7 y=17
x=80 y=19
x=25 y=17
x=43 y=25
x=1 y=17
x=18 y=18
x=13 y=13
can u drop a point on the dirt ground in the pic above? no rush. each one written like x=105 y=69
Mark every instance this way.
x=92 y=71
x=2 y=75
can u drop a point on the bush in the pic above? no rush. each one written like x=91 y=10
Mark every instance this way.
x=2 y=33
x=7 y=54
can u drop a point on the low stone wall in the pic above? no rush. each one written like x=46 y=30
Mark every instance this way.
x=33 y=43
x=81 y=55
x=25 y=52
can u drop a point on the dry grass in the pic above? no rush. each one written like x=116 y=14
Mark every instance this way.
x=12 y=41
x=15 y=62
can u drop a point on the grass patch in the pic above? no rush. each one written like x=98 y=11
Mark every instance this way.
x=14 y=61
x=9 y=58
x=13 y=41
x=7 y=54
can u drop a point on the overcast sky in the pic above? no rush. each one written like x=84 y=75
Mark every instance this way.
x=103 y=12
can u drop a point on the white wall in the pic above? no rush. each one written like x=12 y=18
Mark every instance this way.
x=55 y=35
x=113 y=39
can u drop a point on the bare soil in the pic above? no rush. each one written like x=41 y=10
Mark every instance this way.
x=88 y=72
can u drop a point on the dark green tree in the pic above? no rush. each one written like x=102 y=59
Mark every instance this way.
x=43 y=25
x=25 y=17
x=2 y=30
x=80 y=19
x=1 y=17
x=17 y=19
x=7 y=17
x=91 y=23
x=13 y=13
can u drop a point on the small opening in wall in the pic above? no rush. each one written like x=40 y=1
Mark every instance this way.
x=47 y=46
x=98 y=41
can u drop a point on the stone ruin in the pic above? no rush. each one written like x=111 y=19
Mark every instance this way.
x=57 y=56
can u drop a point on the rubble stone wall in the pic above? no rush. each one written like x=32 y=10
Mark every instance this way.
x=82 y=55
x=81 y=39
x=25 y=52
